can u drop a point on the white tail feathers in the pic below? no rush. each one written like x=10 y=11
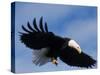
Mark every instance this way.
x=39 y=57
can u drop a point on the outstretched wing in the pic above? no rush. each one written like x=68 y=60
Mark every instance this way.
x=36 y=38
x=72 y=58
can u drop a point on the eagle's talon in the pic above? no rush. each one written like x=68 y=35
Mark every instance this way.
x=54 y=61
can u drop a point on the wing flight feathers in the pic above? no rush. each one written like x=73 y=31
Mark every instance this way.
x=36 y=37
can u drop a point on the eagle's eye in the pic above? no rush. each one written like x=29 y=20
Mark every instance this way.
x=78 y=47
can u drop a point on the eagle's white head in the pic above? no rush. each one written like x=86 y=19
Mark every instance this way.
x=74 y=45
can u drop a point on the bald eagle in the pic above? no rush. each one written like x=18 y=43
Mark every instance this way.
x=48 y=47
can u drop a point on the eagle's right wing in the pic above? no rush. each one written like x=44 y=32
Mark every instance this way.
x=36 y=38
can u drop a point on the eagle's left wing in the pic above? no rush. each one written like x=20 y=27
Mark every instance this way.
x=73 y=58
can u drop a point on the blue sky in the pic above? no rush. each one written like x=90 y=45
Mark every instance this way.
x=76 y=22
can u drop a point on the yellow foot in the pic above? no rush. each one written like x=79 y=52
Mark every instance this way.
x=54 y=61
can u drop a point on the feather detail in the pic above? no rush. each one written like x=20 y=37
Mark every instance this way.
x=39 y=57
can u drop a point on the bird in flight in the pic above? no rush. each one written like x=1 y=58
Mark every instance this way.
x=48 y=47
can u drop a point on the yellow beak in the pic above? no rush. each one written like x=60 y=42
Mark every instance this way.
x=79 y=50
